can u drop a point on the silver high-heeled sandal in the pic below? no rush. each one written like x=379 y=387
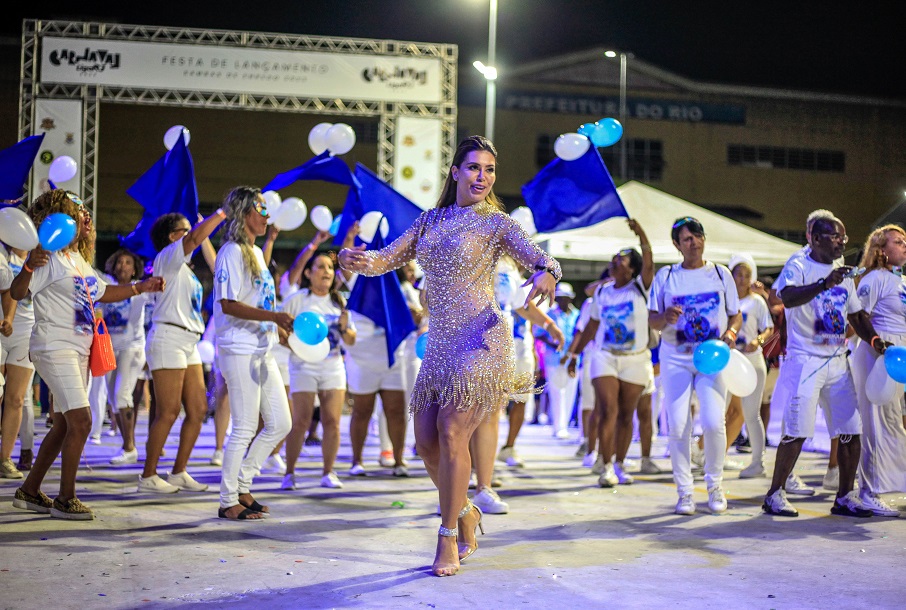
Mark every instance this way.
x=478 y=526
x=447 y=532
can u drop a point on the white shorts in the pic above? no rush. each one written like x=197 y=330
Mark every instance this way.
x=65 y=372
x=14 y=351
x=632 y=368
x=121 y=381
x=586 y=389
x=371 y=379
x=171 y=347
x=806 y=382
x=320 y=377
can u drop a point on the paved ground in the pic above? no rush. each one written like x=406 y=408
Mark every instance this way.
x=564 y=543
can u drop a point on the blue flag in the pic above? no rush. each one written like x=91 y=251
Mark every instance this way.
x=573 y=194
x=15 y=163
x=323 y=167
x=375 y=195
x=381 y=300
x=139 y=240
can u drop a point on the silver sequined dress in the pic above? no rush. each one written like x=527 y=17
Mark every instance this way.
x=469 y=361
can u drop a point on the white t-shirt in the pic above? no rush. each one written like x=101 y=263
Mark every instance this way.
x=234 y=282
x=6 y=274
x=511 y=296
x=883 y=295
x=180 y=302
x=286 y=288
x=706 y=295
x=125 y=320
x=24 y=321
x=64 y=315
x=756 y=318
x=623 y=316
x=303 y=300
x=370 y=347
x=817 y=328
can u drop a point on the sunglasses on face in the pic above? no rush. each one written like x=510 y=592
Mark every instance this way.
x=74 y=198
x=683 y=221
x=261 y=208
x=843 y=239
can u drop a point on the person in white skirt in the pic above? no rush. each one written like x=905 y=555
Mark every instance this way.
x=693 y=302
x=325 y=379
x=882 y=292
x=248 y=324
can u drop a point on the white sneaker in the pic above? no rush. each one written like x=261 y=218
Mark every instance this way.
x=717 y=501
x=184 y=481
x=511 y=457
x=217 y=458
x=622 y=476
x=685 y=505
x=289 y=481
x=274 y=463
x=649 y=467
x=156 y=485
x=598 y=467
x=698 y=454
x=874 y=503
x=95 y=440
x=400 y=471
x=473 y=481
x=489 y=502
x=794 y=485
x=386 y=459
x=630 y=464
x=583 y=448
x=357 y=470
x=589 y=460
x=732 y=464
x=755 y=470
x=331 y=480
x=831 y=480
x=125 y=457
x=562 y=434
x=8 y=470
x=110 y=433
x=608 y=478
x=777 y=504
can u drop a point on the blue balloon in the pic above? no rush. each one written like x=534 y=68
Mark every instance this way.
x=711 y=357
x=586 y=130
x=335 y=225
x=421 y=344
x=607 y=133
x=56 y=232
x=895 y=362
x=310 y=327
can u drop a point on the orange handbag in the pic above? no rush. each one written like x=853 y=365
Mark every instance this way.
x=101 y=358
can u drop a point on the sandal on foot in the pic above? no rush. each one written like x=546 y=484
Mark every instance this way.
x=243 y=516
x=478 y=527
x=256 y=507
x=442 y=570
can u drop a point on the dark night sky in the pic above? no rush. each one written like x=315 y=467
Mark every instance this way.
x=800 y=44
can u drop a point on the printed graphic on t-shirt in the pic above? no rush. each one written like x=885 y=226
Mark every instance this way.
x=25 y=304
x=197 y=298
x=83 y=319
x=830 y=316
x=333 y=331
x=698 y=321
x=149 y=313
x=741 y=338
x=116 y=316
x=520 y=325
x=619 y=326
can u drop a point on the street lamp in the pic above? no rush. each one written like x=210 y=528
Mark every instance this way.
x=623 y=60
x=489 y=72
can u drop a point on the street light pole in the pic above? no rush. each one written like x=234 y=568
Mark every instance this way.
x=623 y=114
x=491 y=91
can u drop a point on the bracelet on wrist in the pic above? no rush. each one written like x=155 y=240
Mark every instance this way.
x=27 y=268
x=220 y=212
x=135 y=290
x=547 y=324
x=872 y=341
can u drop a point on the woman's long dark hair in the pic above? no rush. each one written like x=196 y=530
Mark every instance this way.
x=334 y=290
x=470 y=144
x=162 y=227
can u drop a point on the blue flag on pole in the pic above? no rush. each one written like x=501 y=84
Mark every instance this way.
x=381 y=300
x=573 y=194
x=375 y=195
x=323 y=167
x=15 y=164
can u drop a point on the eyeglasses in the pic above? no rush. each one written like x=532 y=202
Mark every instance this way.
x=843 y=239
x=625 y=252
x=261 y=208
x=683 y=221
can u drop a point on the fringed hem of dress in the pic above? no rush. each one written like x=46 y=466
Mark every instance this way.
x=483 y=392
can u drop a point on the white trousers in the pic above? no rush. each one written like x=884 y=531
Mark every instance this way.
x=27 y=428
x=256 y=388
x=121 y=381
x=751 y=407
x=561 y=390
x=97 y=399
x=678 y=379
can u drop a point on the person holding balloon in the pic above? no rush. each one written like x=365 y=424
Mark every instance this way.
x=694 y=303
x=64 y=289
x=322 y=318
x=171 y=349
x=882 y=291
x=8 y=470
x=468 y=372
x=248 y=325
x=820 y=301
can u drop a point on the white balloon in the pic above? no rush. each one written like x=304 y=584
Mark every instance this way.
x=881 y=388
x=317 y=137
x=385 y=227
x=17 y=229
x=206 y=351
x=571 y=146
x=62 y=169
x=273 y=202
x=172 y=136
x=340 y=139
x=309 y=353
x=739 y=375
x=321 y=217
x=291 y=214
x=525 y=218
x=368 y=226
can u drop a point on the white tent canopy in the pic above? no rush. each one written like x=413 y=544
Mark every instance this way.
x=656 y=212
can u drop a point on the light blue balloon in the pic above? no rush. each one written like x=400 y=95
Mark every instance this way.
x=895 y=362
x=607 y=132
x=586 y=130
x=711 y=357
x=310 y=327
x=421 y=344
x=335 y=225
x=56 y=232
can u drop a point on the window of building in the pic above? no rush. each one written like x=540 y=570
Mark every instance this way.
x=776 y=157
x=644 y=158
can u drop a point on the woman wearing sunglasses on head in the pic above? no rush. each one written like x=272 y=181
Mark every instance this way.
x=171 y=348
x=692 y=302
